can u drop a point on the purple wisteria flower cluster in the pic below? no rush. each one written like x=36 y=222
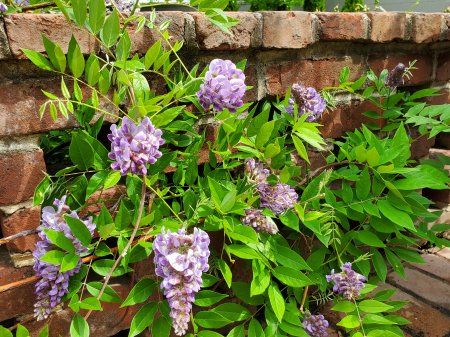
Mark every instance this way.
x=53 y=284
x=348 y=282
x=279 y=198
x=315 y=325
x=133 y=147
x=180 y=259
x=308 y=101
x=260 y=222
x=396 y=76
x=3 y=7
x=223 y=87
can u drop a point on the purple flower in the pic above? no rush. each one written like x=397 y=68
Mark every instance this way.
x=22 y=2
x=3 y=7
x=132 y=147
x=261 y=223
x=53 y=284
x=278 y=198
x=396 y=76
x=223 y=87
x=308 y=101
x=348 y=282
x=256 y=173
x=315 y=325
x=180 y=260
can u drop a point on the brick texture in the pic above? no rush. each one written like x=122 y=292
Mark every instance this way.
x=387 y=26
x=4 y=46
x=210 y=37
x=287 y=30
x=426 y=27
x=342 y=26
x=20 y=174
x=443 y=67
x=22 y=220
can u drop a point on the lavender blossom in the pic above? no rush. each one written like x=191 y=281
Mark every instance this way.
x=256 y=173
x=180 y=260
x=348 y=282
x=308 y=101
x=132 y=147
x=278 y=198
x=396 y=76
x=3 y=7
x=223 y=88
x=315 y=325
x=53 y=284
x=123 y=6
x=22 y=2
x=261 y=223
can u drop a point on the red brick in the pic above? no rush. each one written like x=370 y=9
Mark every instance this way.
x=447 y=24
x=425 y=320
x=387 y=26
x=442 y=98
x=290 y=30
x=20 y=174
x=25 y=31
x=435 y=292
x=103 y=197
x=423 y=73
x=445 y=253
x=9 y=273
x=346 y=117
x=342 y=26
x=443 y=67
x=141 y=41
x=251 y=79
x=211 y=37
x=421 y=144
x=22 y=220
x=426 y=27
x=436 y=266
x=315 y=73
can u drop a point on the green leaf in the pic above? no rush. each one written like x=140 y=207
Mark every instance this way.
x=143 y=319
x=208 y=333
x=349 y=322
x=111 y=29
x=211 y=320
x=376 y=319
x=379 y=264
x=38 y=59
x=244 y=234
x=92 y=73
x=226 y=272
x=291 y=220
x=75 y=58
x=264 y=134
x=369 y=239
x=102 y=267
x=373 y=306
x=363 y=185
x=394 y=262
x=60 y=240
x=289 y=258
x=112 y=179
x=123 y=217
x=255 y=329
x=91 y=303
x=79 y=229
x=261 y=278
x=109 y=294
x=55 y=54
x=97 y=10
x=123 y=49
x=161 y=327
x=395 y=215
x=232 y=311
x=21 y=331
x=44 y=331
x=244 y=252
x=79 y=12
x=382 y=333
x=276 y=301
x=69 y=262
x=81 y=152
x=5 y=332
x=344 y=306
x=291 y=277
x=79 y=327
x=206 y=298
x=408 y=255
x=140 y=292
x=152 y=54
x=54 y=257
x=238 y=331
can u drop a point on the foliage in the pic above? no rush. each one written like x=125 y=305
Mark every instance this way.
x=361 y=207
x=314 y=5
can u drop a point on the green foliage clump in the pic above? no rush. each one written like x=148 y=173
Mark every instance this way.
x=314 y=5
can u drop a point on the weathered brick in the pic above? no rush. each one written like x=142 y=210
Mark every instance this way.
x=423 y=74
x=447 y=24
x=213 y=38
x=20 y=174
x=435 y=265
x=442 y=98
x=22 y=220
x=443 y=67
x=8 y=273
x=25 y=31
x=315 y=73
x=251 y=79
x=4 y=46
x=290 y=30
x=421 y=145
x=425 y=320
x=141 y=41
x=346 y=117
x=342 y=26
x=387 y=26
x=445 y=253
x=418 y=283
x=426 y=27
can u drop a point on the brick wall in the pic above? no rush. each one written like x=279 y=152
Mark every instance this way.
x=281 y=48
